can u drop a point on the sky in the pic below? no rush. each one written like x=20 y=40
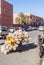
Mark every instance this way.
x=35 y=7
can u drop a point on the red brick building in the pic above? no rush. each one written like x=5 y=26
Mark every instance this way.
x=6 y=13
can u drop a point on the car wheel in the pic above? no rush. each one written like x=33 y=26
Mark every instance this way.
x=3 y=37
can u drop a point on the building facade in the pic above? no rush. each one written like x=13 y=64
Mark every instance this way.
x=36 y=20
x=6 y=13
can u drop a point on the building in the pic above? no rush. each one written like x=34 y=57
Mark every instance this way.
x=14 y=17
x=37 y=19
x=6 y=13
x=7 y=18
x=33 y=18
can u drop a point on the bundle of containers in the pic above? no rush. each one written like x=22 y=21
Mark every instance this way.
x=13 y=39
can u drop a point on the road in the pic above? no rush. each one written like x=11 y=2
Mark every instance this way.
x=28 y=56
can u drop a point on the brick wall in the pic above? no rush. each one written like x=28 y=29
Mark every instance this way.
x=6 y=13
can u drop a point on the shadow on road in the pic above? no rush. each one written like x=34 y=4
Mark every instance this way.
x=27 y=47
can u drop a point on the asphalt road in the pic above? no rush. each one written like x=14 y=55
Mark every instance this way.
x=28 y=56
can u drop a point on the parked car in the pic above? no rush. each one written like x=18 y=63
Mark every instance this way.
x=34 y=28
x=3 y=31
x=41 y=42
x=22 y=28
x=11 y=29
x=41 y=28
x=29 y=28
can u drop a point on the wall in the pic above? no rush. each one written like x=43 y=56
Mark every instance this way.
x=6 y=13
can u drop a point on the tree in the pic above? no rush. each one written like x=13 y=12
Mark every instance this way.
x=22 y=19
x=17 y=20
